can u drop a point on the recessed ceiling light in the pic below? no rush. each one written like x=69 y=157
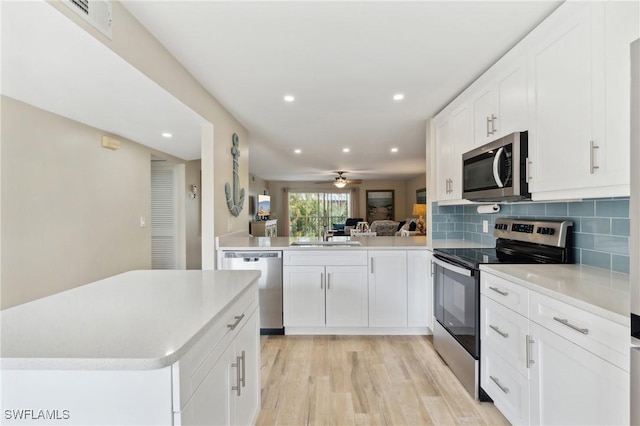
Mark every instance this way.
x=345 y=150
x=167 y=135
x=297 y=151
x=289 y=98
x=394 y=150
x=398 y=97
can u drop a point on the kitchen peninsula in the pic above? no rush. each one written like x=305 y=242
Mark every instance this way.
x=142 y=347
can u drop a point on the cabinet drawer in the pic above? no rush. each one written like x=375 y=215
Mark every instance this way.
x=508 y=389
x=504 y=331
x=508 y=294
x=194 y=366
x=324 y=257
x=602 y=337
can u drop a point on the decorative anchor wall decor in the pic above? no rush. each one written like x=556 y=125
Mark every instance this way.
x=234 y=204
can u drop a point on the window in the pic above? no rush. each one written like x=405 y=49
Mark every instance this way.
x=311 y=212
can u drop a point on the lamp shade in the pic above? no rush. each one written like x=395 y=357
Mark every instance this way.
x=419 y=209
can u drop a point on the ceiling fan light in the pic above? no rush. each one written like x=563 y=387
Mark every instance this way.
x=340 y=182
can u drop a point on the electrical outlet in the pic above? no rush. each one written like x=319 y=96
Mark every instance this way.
x=485 y=226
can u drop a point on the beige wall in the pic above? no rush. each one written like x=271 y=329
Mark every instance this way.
x=70 y=208
x=412 y=186
x=257 y=185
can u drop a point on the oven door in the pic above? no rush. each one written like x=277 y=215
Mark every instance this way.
x=456 y=300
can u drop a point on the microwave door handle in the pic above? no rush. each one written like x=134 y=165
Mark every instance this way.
x=496 y=164
x=453 y=268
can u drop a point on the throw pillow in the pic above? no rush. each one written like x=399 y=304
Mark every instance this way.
x=412 y=227
x=400 y=225
x=338 y=226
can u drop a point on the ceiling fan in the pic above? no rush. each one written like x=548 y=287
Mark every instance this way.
x=340 y=181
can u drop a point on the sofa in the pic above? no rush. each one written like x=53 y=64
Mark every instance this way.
x=384 y=228
x=340 y=229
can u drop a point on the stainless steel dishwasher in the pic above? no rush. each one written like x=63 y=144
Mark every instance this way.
x=270 y=283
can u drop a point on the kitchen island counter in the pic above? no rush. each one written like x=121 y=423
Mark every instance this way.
x=137 y=320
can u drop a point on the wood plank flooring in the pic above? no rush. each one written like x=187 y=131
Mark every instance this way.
x=363 y=380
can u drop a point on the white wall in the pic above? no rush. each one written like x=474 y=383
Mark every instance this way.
x=193 y=208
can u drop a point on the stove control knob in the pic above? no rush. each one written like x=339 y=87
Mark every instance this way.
x=551 y=231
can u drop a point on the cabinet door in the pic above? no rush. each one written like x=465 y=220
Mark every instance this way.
x=512 y=102
x=388 y=288
x=246 y=354
x=484 y=110
x=444 y=163
x=572 y=386
x=210 y=403
x=303 y=296
x=419 y=289
x=566 y=106
x=347 y=296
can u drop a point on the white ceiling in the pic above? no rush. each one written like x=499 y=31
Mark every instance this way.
x=53 y=64
x=343 y=61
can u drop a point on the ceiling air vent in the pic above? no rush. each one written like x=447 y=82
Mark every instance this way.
x=95 y=12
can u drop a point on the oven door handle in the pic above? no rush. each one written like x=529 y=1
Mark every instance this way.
x=496 y=168
x=457 y=269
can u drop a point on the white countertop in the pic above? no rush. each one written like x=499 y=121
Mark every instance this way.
x=599 y=291
x=133 y=321
x=368 y=243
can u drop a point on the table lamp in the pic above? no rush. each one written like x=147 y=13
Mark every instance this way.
x=420 y=210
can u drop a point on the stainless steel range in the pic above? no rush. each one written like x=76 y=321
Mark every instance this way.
x=456 y=334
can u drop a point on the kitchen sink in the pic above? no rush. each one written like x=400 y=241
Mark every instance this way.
x=326 y=243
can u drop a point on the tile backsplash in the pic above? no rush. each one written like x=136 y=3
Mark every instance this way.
x=601 y=226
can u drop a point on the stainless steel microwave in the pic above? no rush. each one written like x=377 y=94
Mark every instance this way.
x=497 y=171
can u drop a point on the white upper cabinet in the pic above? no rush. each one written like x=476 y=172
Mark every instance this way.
x=566 y=83
x=453 y=138
x=579 y=135
x=501 y=108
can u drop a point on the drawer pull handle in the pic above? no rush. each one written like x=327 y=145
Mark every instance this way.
x=235 y=324
x=497 y=290
x=497 y=330
x=566 y=322
x=502 y=387
x=238 y=379
x=528 y=343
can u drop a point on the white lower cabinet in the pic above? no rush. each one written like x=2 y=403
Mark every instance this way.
x=388 y=288
x=572 y=386
x=546 y=362
x=315 y=296
x=229 y=392
x=357 y=291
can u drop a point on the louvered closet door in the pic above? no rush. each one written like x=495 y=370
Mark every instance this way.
x=163 y=216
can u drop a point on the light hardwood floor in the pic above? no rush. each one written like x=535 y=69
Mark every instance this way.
x=363 y=380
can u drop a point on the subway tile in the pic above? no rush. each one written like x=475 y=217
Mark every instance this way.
x=469 y=227
x=597 y=259
x=488 y=240
x=437 y=235
x=583 y=241
x=455 y=218
x=439 y=218
x=620 y=227
x=595 y=225
x=505 y=210
x=612 y=208
x=470 y=209
x=536 y=209
x=519 y=209
x=620 y=263
x=556 y=209
x=455 y=235
x=611 y=244
x=576 y=255
x=459 y=226
x=446 y=227
x=582 y=208
x=476 y=238
x=459 y=209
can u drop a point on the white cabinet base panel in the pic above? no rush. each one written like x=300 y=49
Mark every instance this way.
x=358 y=331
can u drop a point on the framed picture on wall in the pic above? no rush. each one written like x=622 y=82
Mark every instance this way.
x=380 y=205
x=421 y=196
